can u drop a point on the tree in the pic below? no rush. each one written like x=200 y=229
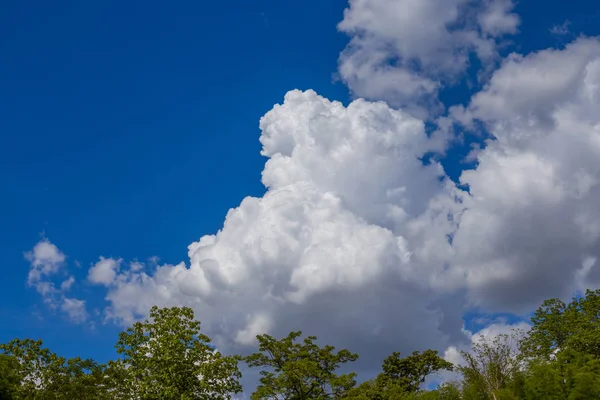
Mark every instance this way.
x=300 y=371
x=402 y=377
x=85 y=379
x=40 y=371
x=558 y=326
x=447 y=391
x=44 y=375
x=9 y=378
x=168 y=358
x=491 y=367
x=570 y=376
x=410 y=372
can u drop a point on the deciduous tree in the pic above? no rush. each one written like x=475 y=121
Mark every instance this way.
x=166 y=357
x=402 y=376
x=300 y=371
x=9 y=378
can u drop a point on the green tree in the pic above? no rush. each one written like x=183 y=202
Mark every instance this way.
x=9 y=378
x=559 y=326
x=410 y=372
x=41 y=372
x=491 y=368
x=85 y=379
x=167 y=357
x=298 y=371
x=44 y=375
x=569 y=376
x=447 y=391
x=402 y=376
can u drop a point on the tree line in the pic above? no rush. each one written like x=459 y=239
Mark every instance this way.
x=167 y=357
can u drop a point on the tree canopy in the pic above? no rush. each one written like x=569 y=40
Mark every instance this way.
x=167 y=357
x=300 y=370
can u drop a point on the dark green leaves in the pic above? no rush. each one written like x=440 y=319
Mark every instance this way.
x=300 y=370
x=9 y=377
x=44 y=375
x=560 y=326
x=410 y=372
x=401 y=377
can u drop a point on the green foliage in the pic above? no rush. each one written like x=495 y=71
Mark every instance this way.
x=168 y=358
x=560 y=326
x=447 y=391
x=410 y=372
x=44 y=375
x=9 y=378
x=570 y=376
x=491 y=368
x=402 y=377
x=300 y=370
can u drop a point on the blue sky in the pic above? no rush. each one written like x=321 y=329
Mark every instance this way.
x=118 y=119
x=129 y=129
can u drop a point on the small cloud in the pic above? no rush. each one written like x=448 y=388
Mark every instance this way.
x=562 y=29
x=66 y=285
x=136 y=266
x=104 y=271
x=45 y=260
x=74 y=309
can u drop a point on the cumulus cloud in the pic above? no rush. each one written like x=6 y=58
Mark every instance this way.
x=344 y=244
x=532 y=228
x=404 y=51
x=45 y=260
x=104 y=271
x=359 y=242
x=355 y=235
x=47 y=263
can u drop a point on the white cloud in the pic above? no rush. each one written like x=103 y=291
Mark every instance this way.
x=343 y=245
x=45 y=260
x=403 y=51
x=351 y=242
x=74 y=309
x=496 y=18
x=562 y=29
x=67 y=284
x=104 y=271
x=533 y=219
x=532 y=88
x=46 y=263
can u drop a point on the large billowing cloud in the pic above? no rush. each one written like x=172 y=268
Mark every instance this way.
x=404 y=51
x=533 y=228
x=344 y=244
x=360 y=243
